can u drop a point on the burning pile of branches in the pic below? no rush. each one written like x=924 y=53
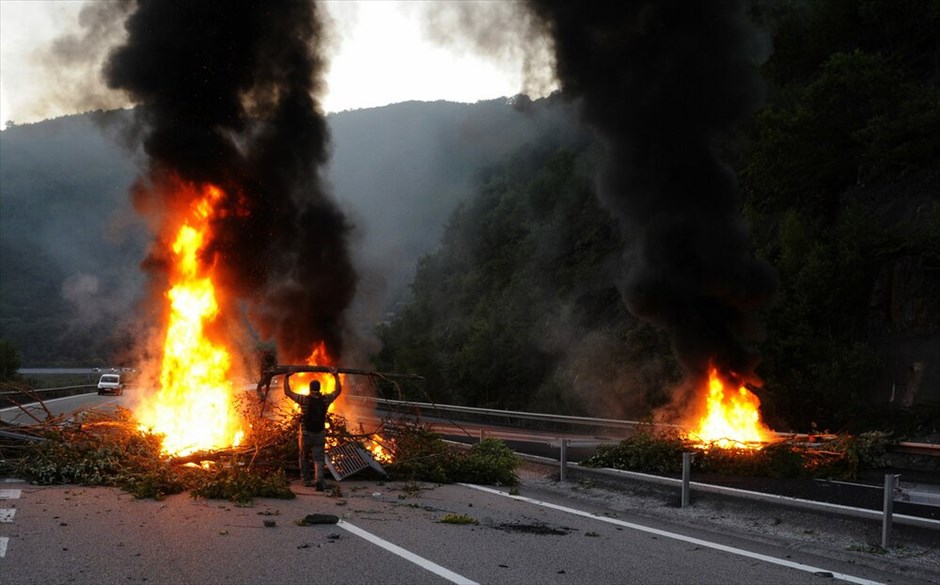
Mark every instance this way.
x=841 y=457
x=109 y=449
x=98 y=448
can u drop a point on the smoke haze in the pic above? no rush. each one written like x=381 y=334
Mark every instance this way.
x=226 y=96
x=661 y=83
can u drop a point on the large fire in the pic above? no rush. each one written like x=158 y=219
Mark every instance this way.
x=732 y=417
x=194 y=407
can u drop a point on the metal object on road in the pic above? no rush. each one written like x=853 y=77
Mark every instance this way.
x=264 y=382
x=349 y=458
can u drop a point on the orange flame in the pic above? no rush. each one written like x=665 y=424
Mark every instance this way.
x=300 y=382
x=379 y=451
x=320 y=357
x=193 y=407
x=732 y=418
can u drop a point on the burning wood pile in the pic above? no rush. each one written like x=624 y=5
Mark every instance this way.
x=731 y=417
x=722 y=425
x=728 y=437
x=113 y=448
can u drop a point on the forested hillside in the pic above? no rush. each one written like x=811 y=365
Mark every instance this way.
x=840 y=180
x=71 y=244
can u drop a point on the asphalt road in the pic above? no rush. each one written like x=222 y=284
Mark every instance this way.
x=64 y=406
x=396 y=533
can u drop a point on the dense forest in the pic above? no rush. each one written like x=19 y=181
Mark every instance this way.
x=839 y=175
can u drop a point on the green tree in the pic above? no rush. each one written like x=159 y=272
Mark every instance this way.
x=519 y=304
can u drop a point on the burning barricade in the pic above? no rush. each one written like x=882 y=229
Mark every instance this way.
x=726 y=433
x=113 y=448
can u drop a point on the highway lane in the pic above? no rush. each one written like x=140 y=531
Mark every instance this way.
x=394 y=533
x=66 y=406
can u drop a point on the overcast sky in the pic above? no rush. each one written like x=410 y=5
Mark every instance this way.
x=382 y=55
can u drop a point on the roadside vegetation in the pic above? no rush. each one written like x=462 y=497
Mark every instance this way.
x=99 y=449
x=840 y=457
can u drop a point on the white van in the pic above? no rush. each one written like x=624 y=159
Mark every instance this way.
x=110 y=384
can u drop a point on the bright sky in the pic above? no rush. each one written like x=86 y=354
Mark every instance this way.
x=383 y=56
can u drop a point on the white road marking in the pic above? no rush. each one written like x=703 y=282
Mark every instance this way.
x=6 y=515
x=683 y=538
x=407 y=555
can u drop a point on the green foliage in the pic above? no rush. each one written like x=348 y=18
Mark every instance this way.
x=523 y=281
x=420 y=455
x=859 y=452
x=99 y=452
x=844 y=457
x=644 y=451
x=240 y=484
x=158 y=480
x=487 y=462
x=849 y=138
x=461 y=519
x=857 y=120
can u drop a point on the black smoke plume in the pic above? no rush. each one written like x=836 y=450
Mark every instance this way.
x=225 y=94
x=661 y=82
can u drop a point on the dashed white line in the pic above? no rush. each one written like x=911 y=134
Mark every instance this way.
x=683 y=538
x=6 y=515
x=407 y=555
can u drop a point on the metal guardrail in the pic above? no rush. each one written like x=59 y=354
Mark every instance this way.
x=911 y=448
x=13 y=392
x=895 y=492
x=685 y=484
x=510 y=414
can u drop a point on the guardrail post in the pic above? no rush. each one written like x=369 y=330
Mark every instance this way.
x=891 y=482
x=563 y=459
x=482 y=435
x=686 y=473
